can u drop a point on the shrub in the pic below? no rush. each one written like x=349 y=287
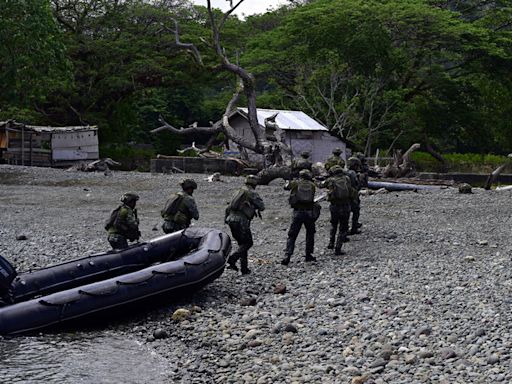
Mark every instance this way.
x=131 y=158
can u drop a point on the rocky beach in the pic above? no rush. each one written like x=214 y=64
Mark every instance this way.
x=423 y=295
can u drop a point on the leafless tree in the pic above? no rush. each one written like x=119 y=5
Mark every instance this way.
x=246 y=86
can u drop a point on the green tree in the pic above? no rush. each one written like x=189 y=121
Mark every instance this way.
x=33 y=59
x=380 y=72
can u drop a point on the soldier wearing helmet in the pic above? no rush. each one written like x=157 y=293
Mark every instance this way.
x=354 y=165
x=305 y=213
x=340 y=194
x=180 y=208
x=364 y=169
x=335 y=159
x=244 y=206
x=301 y=163
x=123 y=224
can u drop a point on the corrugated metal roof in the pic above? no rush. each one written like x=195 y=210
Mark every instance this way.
x=60 y=129
x=39 y=129
x=288 y=120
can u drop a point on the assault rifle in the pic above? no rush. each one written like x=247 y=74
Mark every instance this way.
x=320 y=198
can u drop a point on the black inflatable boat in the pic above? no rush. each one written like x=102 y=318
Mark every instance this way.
x=182 y=261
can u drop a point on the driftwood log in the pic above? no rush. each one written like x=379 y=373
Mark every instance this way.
x=402 y=165
x=267 y=175
x=493 y=176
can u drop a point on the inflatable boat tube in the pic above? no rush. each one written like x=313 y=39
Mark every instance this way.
x=189 y=272
x=100 y=267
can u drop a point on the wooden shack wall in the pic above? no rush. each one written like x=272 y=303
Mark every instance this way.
x=73 y=146
x=35 y=151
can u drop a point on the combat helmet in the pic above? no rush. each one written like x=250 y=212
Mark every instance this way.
x=306 y=174
x=465 y=188
x=354 y=163
x=188 y=183
x=251 y=180
x=305 y=154
x=129 y=197
x=361 y=157
x=336 y=170
x=337 y=151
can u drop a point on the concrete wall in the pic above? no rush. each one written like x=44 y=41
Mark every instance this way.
x=197 y=165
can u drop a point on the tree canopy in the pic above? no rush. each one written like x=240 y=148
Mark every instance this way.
x=381 y=73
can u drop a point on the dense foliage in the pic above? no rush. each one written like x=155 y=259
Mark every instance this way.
x=381 y=73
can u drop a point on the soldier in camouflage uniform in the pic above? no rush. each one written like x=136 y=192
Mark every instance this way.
x=123 y=224
x=339 y=206
x=186 y=209
x=301 y=163
x=354 y=166
x=303 y=214
x=245 y=205
x=334 y=160
x=364 y=171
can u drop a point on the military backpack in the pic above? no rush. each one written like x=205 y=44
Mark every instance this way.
x=240 y=203
x=340 y=191
x=172 y=205
x=303 y=192
x=111 y=221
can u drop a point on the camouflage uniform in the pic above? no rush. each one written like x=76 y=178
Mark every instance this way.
x=303 y=214
x=363 y=171
x=355 y=205
x=187 y=211
x=334 y=160
x=239 y=222
x=301 y=163
x=340 y=211
x=125 y=226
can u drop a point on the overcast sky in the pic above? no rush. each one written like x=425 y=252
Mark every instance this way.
x=248 y=7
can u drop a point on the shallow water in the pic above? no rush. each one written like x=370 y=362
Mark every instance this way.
x=79 y=358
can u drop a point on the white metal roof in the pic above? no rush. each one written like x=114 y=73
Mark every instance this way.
x=288 y=120
x=41 y=129
x=61 y=129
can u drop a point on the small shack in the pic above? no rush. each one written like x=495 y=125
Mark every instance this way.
x=22 y=144
x=301 y=133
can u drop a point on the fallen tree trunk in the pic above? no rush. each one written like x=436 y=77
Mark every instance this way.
x=267 y=175
x=398 y=187
x=493 y=176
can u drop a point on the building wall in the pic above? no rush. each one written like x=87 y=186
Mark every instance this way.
x=69 y=146
x=319 y=143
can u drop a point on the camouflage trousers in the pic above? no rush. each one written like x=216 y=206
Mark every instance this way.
x=241 y=232
x=118 y=241
x=171 y=226
x=340 y=216
x=301 y=217
x=355 y=207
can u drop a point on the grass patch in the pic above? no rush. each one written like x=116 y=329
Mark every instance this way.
x=459 y=162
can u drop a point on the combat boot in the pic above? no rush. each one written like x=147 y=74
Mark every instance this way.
x=286 y=260
x=310 y=258
x=339 y=252
x=244 y=266
x=232 y=264
x=330 y=245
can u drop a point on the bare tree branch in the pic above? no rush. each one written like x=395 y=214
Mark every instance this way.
x=215 y=128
